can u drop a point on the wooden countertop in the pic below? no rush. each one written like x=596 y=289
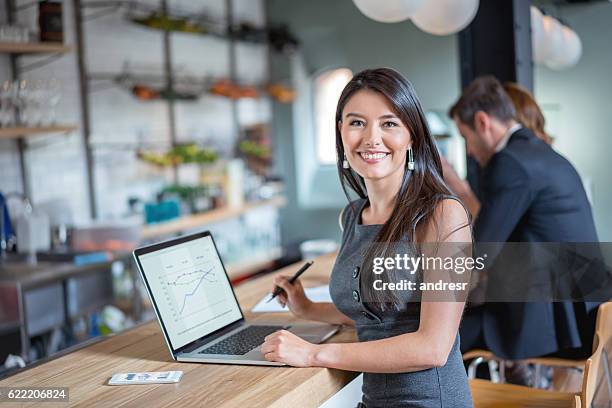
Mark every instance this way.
x=87 y=370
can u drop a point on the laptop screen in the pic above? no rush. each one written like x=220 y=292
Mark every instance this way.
x=191 y=291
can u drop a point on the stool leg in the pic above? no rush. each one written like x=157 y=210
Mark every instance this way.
x=502 y=371
x=493 y=371
x=537 y=375
x=473 y=366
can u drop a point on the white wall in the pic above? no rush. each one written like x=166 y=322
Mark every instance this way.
x=577 y=106
x=57 y=164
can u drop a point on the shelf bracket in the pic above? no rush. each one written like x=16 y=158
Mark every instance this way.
x=26 y=6
x=45 y=141
x=106 y=11
x=40 y=63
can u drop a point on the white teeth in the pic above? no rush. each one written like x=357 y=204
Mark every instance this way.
x=373 y=156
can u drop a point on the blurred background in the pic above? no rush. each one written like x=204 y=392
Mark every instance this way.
x=128 y=122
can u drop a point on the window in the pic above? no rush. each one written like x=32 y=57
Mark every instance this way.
x=327 y=89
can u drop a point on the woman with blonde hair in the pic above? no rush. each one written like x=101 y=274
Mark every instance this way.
x=528 y=113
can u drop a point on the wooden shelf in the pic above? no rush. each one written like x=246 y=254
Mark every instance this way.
x=195 y=221
x=17 y=132
x=34 y=48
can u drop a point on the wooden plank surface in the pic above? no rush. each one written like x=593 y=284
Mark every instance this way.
x=17 y=132
x=87 y=370
x=195 y=221
x=36 y=47
x=494 y=395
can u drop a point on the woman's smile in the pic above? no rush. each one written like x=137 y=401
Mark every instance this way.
x=373 y=157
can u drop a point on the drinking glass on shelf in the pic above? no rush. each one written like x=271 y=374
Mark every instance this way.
x=14 y=34
x=25 y=34
x=20 y=98
x=35 y=101
x=6 y=104
x=21 y=34
x=6 y=34
x=54 y=95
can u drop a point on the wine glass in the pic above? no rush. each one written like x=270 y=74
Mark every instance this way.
x=54 y=96
x=20 y=100
x=35 y=100
x=6 y=104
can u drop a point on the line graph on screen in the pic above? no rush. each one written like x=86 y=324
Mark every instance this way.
x=191 y=290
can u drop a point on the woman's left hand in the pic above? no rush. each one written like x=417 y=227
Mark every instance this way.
x=286 y=347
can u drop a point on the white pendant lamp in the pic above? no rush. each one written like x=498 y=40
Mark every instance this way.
x=554 y=38
x=388 y=11
x=539 y=46
x=571 y=53
x=444 y=17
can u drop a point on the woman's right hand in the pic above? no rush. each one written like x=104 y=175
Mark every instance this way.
x=293 y=296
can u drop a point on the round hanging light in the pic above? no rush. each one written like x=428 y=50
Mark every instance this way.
x=443 y=17
x=555 y=44
x=572 y=51
x=539 y=45
x=388 y=11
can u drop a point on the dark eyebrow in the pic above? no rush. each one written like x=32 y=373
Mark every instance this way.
x=357 y=115
x=389 y=116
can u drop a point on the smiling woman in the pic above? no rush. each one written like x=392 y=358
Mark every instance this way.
x=408 y=350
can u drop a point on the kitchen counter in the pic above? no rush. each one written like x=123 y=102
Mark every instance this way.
x=31 y=275
x=47 y=296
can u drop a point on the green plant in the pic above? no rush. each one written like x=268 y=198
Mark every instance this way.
x=251 y=148
x=191 y=153
x=181 y=154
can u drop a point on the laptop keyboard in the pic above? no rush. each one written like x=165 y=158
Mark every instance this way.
x=242 y=342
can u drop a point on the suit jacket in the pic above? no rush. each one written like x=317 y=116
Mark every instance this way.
x=530 y=193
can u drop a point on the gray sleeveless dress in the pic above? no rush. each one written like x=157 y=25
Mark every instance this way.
x=445 y=386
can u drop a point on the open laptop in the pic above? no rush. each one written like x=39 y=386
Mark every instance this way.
x=197 y=309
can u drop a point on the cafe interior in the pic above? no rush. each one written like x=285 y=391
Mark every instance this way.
x=125 y=123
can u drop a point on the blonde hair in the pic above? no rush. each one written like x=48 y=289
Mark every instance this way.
x=528 y=113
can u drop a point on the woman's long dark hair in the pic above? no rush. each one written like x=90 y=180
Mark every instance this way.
x=422 y=189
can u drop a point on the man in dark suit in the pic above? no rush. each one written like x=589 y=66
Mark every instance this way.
x=528 y=193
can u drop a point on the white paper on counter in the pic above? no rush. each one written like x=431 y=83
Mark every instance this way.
x=316 y=294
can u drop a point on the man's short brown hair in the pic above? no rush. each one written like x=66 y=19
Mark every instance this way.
x=485 y=94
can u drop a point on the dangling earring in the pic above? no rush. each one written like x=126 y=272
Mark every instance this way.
x=345 y=163
x=410 y=159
